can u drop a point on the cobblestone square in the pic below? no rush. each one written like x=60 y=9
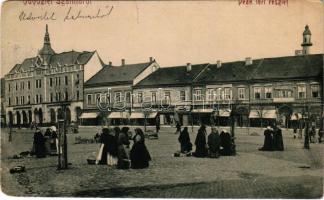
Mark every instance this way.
x=294 y=173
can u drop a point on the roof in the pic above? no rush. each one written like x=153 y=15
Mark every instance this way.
x=177 y=75
x=292 y=67
x=116 y=75
x=64 y=58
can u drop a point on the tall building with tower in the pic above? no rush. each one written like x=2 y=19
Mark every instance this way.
x=36 y=88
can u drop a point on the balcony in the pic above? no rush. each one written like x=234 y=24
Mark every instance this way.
x=284 y=100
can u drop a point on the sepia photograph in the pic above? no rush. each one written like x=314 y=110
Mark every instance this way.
x=162 y=99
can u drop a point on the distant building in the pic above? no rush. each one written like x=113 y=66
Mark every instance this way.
x=2 y=102
x=108 y=95
x=36 y=89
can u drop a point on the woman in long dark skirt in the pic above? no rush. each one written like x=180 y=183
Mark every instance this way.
x=39 y=144
x=123 y=149
x=226 y=143
x=184 y=140
x=200 y=142
x=139 y=154
x=277 y=139
x=268 y=140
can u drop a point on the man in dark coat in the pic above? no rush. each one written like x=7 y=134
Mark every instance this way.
x=226 y=143
x=184 y=139
x=214 y=143
x=267 y=146
x=200 y=142
x=277 y=139
x=320 y=135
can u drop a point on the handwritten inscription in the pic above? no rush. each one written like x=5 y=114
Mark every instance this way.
x=264 y=2
x=71 y=14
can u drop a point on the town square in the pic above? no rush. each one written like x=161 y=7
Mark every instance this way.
x=159 y=99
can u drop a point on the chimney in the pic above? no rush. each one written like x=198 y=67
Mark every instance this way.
x=123 y=62
x=298 y=52
x=151 y=59
x=110 y=63
x=248 y=61
x=188 y=67
x=219 y=63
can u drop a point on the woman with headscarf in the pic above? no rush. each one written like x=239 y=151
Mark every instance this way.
x=39 y=144
x=139 y=154
x=213 y=143
x=277 y=139
x=54 y=141
x=225 y=143
x=268 y=140
x=184 y=139
x=200 y=142
x=123 y=149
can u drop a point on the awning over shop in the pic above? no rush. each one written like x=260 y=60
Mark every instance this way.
x=223 y=113
x=265 y=114
x=141 y=115
x=296 y=116
x=202 y=110
x=89 y=115
x=118 y=115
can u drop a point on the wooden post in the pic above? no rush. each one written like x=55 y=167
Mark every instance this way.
x=62 y=144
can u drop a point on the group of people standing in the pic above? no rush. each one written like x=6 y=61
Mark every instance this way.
x=115 y=148
x=272 y=139
x=212 y=146
x=46 y=144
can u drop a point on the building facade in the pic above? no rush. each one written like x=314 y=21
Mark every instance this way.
x=108 y=95
x=37 y=89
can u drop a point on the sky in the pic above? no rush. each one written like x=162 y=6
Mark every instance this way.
x=173 y=32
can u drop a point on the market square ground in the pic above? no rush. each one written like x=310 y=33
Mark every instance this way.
x=294 y=173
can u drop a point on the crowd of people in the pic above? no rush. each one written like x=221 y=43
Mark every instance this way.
x=212 y=146
x=272 y=139
x=45 y=144
x=115 y=148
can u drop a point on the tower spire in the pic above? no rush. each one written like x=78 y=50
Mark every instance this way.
x=306 y=40
x=47 y=50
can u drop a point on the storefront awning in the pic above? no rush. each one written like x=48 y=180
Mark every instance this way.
x=141 y=115
x=265 y=114
x=90 y=115
x=296 y=116
x=223 y=113
x=118 y=115
x=202 y=110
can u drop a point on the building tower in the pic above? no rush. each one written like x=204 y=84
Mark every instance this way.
x=46 y=52
x=306 y=41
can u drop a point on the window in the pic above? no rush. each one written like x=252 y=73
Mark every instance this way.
x=257 y=93
x=38 y=83
x=66 y=80
x=210 y=94
x=51 y=82
x=77 y=79
x=140 y=97
x=59 y=80
x=167 y=96
x=89 y=99
x=153 y=97
x=17 y=101
x=128 y=97
x=16 y=86
x=9 y=101
x=28 y=85
x=28 y=99
x=37 y=98
x=219 y=93
x=51 y=97
x=182 y=95
x=118 y=96
x=268 y=92
x=241 y=93
x=23 y=99
x=9 y=87
x=228 y=93
x=315 y=91
x=56 y=80
x=301 y=91
x=197 y=95
x=40 y=98
x=66 y=96
x=22 y=85
x=78 y=95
